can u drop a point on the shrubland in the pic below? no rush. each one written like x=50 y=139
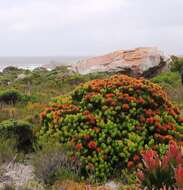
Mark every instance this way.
x=100 y=130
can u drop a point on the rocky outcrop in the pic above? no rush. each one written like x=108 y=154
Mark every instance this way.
x=145 y=62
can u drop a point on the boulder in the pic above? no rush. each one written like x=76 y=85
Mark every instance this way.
x=146 y=62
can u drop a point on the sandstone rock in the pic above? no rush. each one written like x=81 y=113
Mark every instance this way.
x=145 y=62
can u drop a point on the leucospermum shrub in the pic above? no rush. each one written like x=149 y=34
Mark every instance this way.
x=111 y=121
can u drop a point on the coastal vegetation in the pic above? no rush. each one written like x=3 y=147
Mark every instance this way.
x=76 y=130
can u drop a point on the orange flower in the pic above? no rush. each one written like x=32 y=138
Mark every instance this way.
x=110 y=95
x=79 y=146
x=125 y=106
x=42 y=115
x=140 y=101
x=98 y=149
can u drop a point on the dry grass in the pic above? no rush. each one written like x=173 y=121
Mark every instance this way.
x=71 y=185
x=48 y=161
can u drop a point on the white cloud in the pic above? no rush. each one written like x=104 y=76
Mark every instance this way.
x=60 y=27
x=57 y=14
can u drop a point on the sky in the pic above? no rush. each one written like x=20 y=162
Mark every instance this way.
x=89 y=27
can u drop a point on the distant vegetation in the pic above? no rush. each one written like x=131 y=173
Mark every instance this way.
x=24 y=93
x=171 y=81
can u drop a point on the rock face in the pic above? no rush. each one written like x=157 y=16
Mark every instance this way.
x=145 y=62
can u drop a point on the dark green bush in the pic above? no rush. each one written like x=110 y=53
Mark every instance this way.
x=11 y=69
x=10 y=96
x=20 y=130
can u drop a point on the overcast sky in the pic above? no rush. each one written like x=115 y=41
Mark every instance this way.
x=89 y=27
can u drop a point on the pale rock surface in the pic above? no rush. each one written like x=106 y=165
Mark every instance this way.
x=16 y=174
x=137 y=62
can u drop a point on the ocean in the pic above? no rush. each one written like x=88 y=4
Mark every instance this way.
x=33 y=62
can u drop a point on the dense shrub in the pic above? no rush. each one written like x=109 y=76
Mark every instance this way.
x=10 y=96
x=167 y=171
x=20 y=130
x=111 y=121
x=11 y=69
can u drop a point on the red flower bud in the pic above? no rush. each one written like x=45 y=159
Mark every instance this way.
x=79 y=146
x=125 y=106
x=136 y=158
x=92 y=145
x=130 y=164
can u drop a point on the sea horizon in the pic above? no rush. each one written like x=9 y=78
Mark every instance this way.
x=32 y=62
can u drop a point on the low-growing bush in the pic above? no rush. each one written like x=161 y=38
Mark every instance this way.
x=170 y=79
x=162 y=172
x=52 y=163
x=10 y=96
x=19 y=130
x=111 y=121
x=171 y=83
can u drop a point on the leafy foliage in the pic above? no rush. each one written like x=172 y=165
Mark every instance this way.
x=171 y=83
x=20 y=130
x=169 y=79
x=167 y=171
x=111 y=121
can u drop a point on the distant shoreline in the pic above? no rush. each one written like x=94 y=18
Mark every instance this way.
x=31 y=63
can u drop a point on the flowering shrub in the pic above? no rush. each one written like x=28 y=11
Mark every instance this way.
x=167 y=171
x=111 y=121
